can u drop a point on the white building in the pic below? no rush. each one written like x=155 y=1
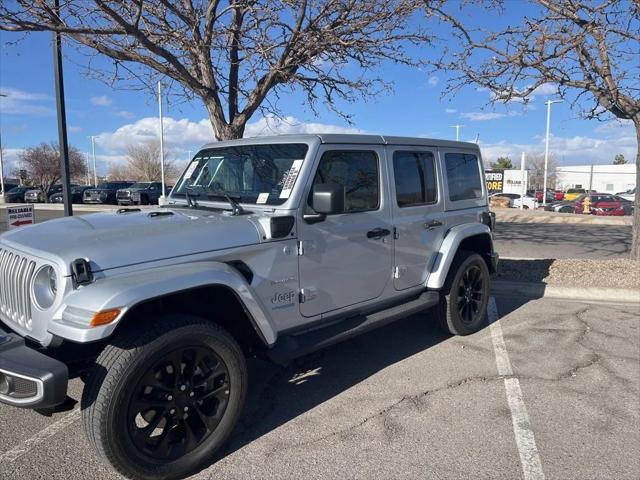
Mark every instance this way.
x=601 y=178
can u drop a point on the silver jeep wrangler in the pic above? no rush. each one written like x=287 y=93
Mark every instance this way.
x=267 y=246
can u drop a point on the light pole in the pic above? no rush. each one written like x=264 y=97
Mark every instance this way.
x=161 y=202
x=457 y=127
x=93 y=154
x=546 y=151
x=1 y=166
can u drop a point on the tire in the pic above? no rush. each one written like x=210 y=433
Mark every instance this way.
x=469 y=320
x=136 y=373
x=566 y=210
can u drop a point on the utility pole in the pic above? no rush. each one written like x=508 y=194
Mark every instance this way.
x=591 y=178
x=457 y=127
x=546 y=150
x=523 y=189
x=93 y=153
x=86 y=162
x=2 y=192
x=161 y=142
x=62 y=117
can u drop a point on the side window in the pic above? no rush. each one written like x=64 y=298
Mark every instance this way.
x=463 y=176
x=357 y=171
x=415 y=178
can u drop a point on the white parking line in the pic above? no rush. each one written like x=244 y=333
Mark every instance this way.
x=20 y=450
x=529 y=457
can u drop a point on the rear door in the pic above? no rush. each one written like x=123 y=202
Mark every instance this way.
x=417 y=210
x=346 y=258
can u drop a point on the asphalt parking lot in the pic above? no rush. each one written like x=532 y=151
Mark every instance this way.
x=571 y=240
x=551 y=389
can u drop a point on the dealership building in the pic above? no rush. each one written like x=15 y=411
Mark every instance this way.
x=601 y=178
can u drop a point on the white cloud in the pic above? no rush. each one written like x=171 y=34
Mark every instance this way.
x=573 y=150
x=432 y=81
x=20 y=102
x=101 y=101
x=74 y=129
x=450 y=110
x=124 y=114
x=11 y=160
x=183 y=134
x=482 y=116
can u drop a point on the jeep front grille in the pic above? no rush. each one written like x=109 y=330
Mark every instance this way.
x=16 y=275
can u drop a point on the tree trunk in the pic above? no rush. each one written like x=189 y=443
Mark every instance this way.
x=635 y=242
x=222 y=129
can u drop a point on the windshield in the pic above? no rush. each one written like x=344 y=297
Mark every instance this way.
x=141 y=185
x=111 y=185
x=262 y=174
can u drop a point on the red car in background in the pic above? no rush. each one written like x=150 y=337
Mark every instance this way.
x=551 y=196
x=600 y=204
x=559 y=195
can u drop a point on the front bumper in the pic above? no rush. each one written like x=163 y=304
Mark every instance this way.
x=28 y=378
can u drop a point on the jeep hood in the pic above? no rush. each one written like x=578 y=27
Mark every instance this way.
x=111 y=240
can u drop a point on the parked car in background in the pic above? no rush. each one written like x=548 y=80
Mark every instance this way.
x=627 y=205
x=16 y=194
x=514 y=200
x=564 y=206
x=9 y=186
x=599 y=204
x=36 y=195
x=628 y=195
x=573 y=193
x=104 y=193
x=526 y=202
x=141 y=193
x=559 y=195
x=551 y=196
x=76 y=194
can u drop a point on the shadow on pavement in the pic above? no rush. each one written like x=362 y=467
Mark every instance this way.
x=562 y=240
x=278 y=395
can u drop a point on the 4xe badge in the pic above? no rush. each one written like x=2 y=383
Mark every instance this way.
x=283 y=299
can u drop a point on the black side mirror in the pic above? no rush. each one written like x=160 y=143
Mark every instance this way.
x=328 y=198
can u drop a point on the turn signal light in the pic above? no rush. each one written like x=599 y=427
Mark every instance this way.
x=105 y=317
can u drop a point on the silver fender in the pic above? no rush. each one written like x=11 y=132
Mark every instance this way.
x=129 y=289
x=448 y=249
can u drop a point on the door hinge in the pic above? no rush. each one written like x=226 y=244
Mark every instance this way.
x=300 y=249
x=395 y=233
x=399 y=271
x=306 y=294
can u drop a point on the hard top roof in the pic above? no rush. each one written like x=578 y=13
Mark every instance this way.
x=346 y=138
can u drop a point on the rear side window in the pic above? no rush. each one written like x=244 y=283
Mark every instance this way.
x=358 y=172
x=415 y=178
x=463 y=176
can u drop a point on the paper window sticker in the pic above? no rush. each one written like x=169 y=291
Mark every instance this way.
x=263 y=197
x=290 y=179
x=190 y=169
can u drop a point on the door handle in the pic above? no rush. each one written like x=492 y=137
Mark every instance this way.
x=432 y=224
x=378 y=233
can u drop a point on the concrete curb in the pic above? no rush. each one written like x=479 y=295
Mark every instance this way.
x=540 y=216
x=542 y=290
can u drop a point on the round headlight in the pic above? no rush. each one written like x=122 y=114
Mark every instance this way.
x=45 y=287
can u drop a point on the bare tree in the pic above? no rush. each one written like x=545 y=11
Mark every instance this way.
x=535 y=167
x=143 y=163
x=236 y=55
x=118 y=172
x=585 y=49
x=42 y=164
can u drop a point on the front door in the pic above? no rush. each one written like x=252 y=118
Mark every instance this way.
x=346 y=258
x=418 y=213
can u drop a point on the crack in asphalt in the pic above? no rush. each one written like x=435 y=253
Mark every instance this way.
x=572 y=372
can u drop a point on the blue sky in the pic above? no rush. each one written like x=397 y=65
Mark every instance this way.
x=414 y=108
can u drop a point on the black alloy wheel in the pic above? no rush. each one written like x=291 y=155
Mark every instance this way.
x=179 y=402
x=470 y=294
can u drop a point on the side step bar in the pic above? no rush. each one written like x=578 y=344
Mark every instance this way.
x=289 y=347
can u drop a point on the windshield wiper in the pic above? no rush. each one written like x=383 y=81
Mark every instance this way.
x=236 y=208
x=191 y=195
